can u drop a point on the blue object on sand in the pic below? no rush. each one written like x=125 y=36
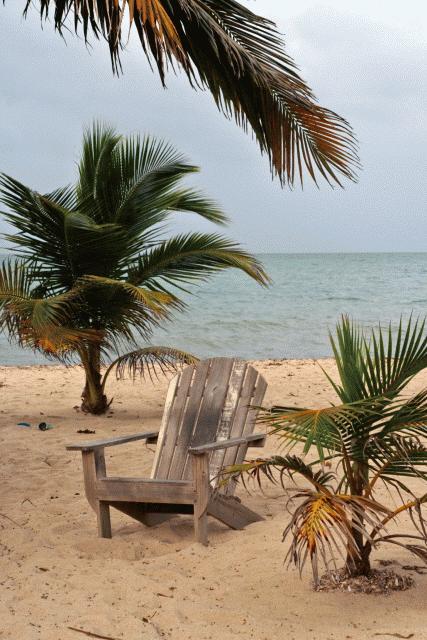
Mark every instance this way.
x=23 y=424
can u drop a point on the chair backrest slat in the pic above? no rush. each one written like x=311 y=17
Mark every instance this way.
x=244 y=423
x=211 y=408
x=207 y=402
x=176 y=400
x=190 y=416
x=228 y=418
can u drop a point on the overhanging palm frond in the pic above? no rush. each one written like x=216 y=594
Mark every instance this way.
x=239 y=57
x=149 y=361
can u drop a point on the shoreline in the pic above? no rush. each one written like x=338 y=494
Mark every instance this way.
x=262 y=361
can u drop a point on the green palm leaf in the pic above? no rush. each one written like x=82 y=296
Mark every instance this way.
x=156 y=301
x=330 y=429
x=191 y=257
x=406 y=417
x=381 y=365
x=397 y=456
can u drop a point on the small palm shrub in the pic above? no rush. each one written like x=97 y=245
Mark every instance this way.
x=375 y=436
x=96 y=271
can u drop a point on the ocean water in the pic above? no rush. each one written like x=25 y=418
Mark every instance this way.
x=232 y=315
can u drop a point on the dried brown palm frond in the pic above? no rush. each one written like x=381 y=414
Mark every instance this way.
x=326 y=524
x=240 y=58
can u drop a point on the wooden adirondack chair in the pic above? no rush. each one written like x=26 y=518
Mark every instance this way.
x=207 y=424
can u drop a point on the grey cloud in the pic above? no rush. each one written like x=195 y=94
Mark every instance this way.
x=379 y=67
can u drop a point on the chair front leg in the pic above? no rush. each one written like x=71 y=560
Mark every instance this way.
x=94 y=468
x=200 y=466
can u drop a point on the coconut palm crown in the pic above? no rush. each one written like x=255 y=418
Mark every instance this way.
x=96 y=271
x=240 y=58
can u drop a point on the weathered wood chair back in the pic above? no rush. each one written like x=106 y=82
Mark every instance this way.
x=207 y=402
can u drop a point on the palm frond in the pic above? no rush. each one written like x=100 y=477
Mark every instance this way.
x=330 y=429
x=62 y=244
x=191 y=257
x=269 y=468
x=196 y=202
x=95 y=168
x=156 y=301
x=395 y=455
x=405 y=417
x=414 y=509
x=61 y=343
x=240 y=58
x=324 y=524
x=149 y=361
x=40 y=323
x=64 y=197
x=381 y=364
x=128 y=179
x=418 y=550
x=17 y=298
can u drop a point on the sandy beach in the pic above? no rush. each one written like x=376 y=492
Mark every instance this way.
x=155 y=583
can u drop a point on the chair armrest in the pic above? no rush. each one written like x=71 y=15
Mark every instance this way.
x=254 y=440
x=150 y=436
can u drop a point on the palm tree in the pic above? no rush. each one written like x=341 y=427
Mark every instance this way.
x=240 y=58
x=95 y=270
x=375 y=436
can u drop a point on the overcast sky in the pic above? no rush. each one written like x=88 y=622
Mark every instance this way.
x=367 y=61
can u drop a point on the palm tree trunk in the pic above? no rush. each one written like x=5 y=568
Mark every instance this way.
x=93 y=398
x=358 y=562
